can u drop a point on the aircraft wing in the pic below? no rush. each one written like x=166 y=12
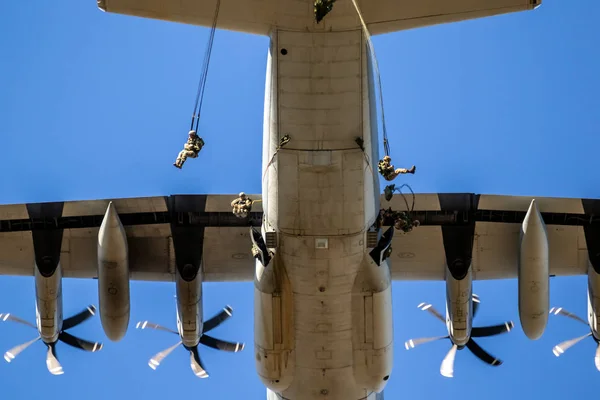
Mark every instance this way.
x=259 y=16
x=150 y=224
x=385 y=16
x=493 y=222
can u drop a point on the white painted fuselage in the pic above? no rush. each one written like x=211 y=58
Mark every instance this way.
x=323 y=321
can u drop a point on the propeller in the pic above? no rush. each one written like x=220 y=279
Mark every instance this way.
x=560 y=348
x=447 y=367
x=195 y=361
x=52 y=362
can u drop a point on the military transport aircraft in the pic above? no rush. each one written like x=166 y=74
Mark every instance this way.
x=321 y=261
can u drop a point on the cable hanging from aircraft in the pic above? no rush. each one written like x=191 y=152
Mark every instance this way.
x=204 y=74
x=195 y=143
x=389 y=192
x=402 y=220
x=386 y=145
x=385 y=167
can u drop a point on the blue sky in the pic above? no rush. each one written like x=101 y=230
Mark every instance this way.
x=96 y=105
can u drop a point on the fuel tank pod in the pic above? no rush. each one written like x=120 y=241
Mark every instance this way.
x=113 y=275
x=533 y=274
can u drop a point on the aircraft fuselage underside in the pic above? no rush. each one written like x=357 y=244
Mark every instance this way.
x=323 y=322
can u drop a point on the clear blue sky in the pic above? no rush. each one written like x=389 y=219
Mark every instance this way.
x=96 y=105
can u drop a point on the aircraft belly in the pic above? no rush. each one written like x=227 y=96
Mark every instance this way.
x=319 y=92
x=323 y=328
x=324 y=195
x=323 y=282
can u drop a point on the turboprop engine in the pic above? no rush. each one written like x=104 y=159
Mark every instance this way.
x=191 y=328
x=48 y=303
x=461 y=308
x=593 y=317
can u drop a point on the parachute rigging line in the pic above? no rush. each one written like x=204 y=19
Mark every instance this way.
x=410 y=209
x=386 y=145
x=204 y=73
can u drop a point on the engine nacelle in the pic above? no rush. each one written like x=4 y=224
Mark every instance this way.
x=273 y=325
x=533 y=274
x=372 y=325
x=48 y=274
x=48 y=301
x=188 y=285
x=593 y=300
x=113 y=275
x=459 y=307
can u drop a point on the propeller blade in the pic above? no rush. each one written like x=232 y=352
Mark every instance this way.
x=493 y=330
x=10 y=317
x=482 y=354
x=560 y=348
x=476 y=302
x=14 y=352
x=429 y=308
x=158 y=357
x=52 y=362
x=218 y=319
x=196 y=363
x=80 y=317
x=79 y=343
x=597 y=357
x=447 y=367
x=148 y=324
x=221 y=344
x=565 y=313
x=412 y=343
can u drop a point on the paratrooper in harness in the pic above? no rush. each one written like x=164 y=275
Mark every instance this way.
x=389 y=173
x=402 y=220
x=190 y=149
x=242 y=205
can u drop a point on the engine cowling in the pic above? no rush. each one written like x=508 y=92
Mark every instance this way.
x=459 y=307
x=48 y=303
x=188 y=284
